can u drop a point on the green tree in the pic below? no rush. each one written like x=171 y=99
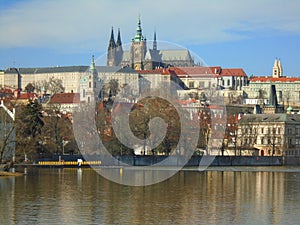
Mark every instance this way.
x=28 y=132
x=114 y=87
x=29 y=88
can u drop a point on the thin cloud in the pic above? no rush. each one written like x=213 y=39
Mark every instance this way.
x=70 y=25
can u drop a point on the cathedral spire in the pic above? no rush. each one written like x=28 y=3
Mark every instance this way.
x=138 y=36
x=154 y=41
x=92 y=66
x=119 y=50
x=119 y=42
x=112 y=43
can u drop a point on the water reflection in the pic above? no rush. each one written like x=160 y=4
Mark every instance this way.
x=81 y=196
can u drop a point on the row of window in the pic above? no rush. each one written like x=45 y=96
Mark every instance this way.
x=292 y=152
x=274 y=152
x=262 y=141
x=228 y=83
x=238 y=83
x=269 y=130
x=269 y=141
x=262 y=130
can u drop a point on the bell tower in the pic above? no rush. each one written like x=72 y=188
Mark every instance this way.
x=138 y=49
x=277 y=69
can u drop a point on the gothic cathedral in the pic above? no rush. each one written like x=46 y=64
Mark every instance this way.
x=139 y=58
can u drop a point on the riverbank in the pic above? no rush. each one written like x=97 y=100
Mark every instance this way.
x=168 y=161
x=148 y=160
x=5 y=174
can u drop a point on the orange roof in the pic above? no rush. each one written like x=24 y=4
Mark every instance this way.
x=65 y=98
x=216 y=107
x=27 y=96
x=196 y=70
x=6 y=91
x=185 y=102
x=272 y=79
x=161 y=71
x=235 y=72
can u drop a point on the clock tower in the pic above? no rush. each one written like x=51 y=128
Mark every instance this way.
x=138 y=49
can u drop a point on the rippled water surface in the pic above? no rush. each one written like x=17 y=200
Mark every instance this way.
x=80 y=196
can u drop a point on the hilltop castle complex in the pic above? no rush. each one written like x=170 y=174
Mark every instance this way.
x=139 y=57
x=272 y=130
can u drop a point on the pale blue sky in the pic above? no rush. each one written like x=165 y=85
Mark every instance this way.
x=228 y=33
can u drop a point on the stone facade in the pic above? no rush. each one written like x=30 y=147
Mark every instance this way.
x=212 y=77
x=69 y=75
x=287 y=88
x=271 y=134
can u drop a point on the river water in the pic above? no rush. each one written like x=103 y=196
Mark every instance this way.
x=232 y=195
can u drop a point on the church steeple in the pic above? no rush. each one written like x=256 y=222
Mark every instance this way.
x=277 y=69
x=138 y=48
x=154 y=41
x=139 y=36
x=119 y=50
x=111 y=52
x=112 y=43
x=119 y=42
x=92 y=66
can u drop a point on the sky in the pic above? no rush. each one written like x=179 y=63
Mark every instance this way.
x=247 y=34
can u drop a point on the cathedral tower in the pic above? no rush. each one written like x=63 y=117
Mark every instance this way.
x=90 y=85
x=277 y=69
x=119 y=49
x=138 y=49
x=111 y=51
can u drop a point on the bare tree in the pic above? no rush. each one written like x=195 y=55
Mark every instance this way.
x=54 y=85
x=114 y=87
x=6 y=134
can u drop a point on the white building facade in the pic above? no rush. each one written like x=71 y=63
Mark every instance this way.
x=271 y=134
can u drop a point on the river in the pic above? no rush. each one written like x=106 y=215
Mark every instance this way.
x=229 y=195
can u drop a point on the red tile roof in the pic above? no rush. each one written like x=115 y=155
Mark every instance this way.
x=272 y=79
x=185 y=102
x=160 y=71
x=197 y=71
x=6 y=91
x=65 y=98
x=24 y=96
x=235 y=72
